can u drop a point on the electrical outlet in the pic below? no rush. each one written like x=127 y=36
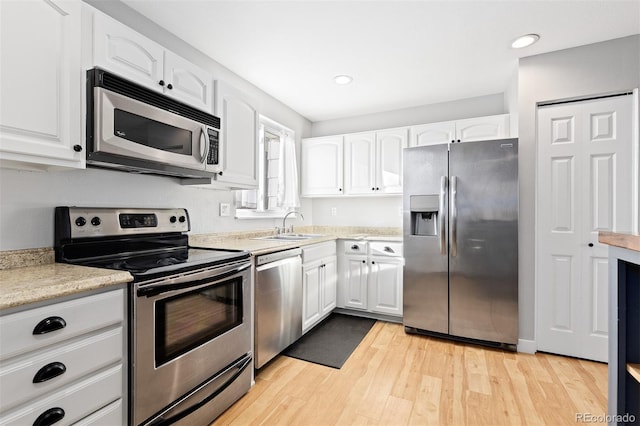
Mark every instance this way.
x=334 y=211
x=225 y=209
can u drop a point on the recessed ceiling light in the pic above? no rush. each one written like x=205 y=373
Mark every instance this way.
x=525 y=40
x=343 y=79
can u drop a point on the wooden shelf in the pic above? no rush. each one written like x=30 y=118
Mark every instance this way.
x=634 y=370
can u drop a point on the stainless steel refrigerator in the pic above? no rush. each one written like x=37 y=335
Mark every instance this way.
x=460 y=226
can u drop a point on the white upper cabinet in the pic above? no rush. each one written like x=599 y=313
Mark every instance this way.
x=482 y=128
x=189 y=83
x=40 y=103
x=389 y=145
x=359 y=163
x=322 y=166
x=433 y=133
x=373 y=162
x=467 y=130
x=238 y=138
x=123 y=51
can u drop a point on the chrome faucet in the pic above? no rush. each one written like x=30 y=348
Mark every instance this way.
x=284 y=227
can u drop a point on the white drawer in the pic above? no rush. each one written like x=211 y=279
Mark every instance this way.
x=111 y=415
x=318 y=251
x=385 y=248
x=355 y=247
x=76 y=401
x=76 y=359
x=80 y=316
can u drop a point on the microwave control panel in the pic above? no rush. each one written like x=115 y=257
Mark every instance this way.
x=214 y=147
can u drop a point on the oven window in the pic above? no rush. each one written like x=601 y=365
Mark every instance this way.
x=190 y=319
x=151 y=133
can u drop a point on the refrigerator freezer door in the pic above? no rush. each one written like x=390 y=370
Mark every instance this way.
x=483 y=290
x=425 y=281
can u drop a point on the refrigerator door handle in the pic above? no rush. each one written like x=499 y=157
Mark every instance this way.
x=443 y=194
x=454 y=216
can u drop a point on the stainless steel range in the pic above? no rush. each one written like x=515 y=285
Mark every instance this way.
x=190 y=317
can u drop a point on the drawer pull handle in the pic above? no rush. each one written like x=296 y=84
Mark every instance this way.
x=388 y=249
x=355 y=247
x=49 y=371
x=49 y=417
x=50 y=324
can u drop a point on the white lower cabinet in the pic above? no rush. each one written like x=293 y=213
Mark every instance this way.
x=319 y=283
x=64 y=362
x=371 y=276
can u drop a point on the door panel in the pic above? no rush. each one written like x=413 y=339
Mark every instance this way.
x=359 y=158
x=585 y=185
x=483 y=233
x=425 y=276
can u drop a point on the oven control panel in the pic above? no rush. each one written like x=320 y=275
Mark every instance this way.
x=97 y=222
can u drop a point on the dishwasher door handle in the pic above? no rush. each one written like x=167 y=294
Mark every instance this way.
x=277 y=263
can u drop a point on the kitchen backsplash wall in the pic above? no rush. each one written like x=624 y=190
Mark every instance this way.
x=29 y=198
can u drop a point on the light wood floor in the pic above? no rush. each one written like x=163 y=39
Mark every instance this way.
x=398 y=379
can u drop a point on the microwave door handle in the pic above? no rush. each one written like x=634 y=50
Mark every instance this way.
x=204 y=143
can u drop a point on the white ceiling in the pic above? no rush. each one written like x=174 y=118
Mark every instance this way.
x=400 y=53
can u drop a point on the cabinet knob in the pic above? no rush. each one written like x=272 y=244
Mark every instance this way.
x=161 y=82
x=458 y=140
x=590 y=244
x=364 y=261
x=77 y=148
x=220 y=173
x=49 y=417
x=340 y=189
x=373 y=263
x=49 y=324
x=170 y=86
x=373 y=189
x=377 y=189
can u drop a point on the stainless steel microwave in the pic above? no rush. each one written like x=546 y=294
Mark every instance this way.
x=132 y=128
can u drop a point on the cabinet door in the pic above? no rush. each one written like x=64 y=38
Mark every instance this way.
x=41 y=119
x=239 y=137
x=311 y=295
x=187 y=83
x=329 y=285
x=385 y=285
x=123 y=51
x=355 y=282
x=360 y=163
x=483 y=128
x=389 y=145
x=322 y=166
x=433 y=133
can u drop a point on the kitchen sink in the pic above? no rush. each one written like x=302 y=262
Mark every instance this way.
x=289 y=237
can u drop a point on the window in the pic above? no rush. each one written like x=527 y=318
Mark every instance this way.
x=277 y=190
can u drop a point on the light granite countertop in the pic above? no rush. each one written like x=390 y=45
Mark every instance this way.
x=252 y=242
x=31 y=284
x=30 y=276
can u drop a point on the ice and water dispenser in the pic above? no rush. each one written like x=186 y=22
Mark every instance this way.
x=424 y=214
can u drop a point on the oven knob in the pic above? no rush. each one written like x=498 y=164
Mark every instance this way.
x=172 y=219
x=95 y=221
x=182 y=219
x=81 y=221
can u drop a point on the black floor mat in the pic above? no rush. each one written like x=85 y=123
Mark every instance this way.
x=332 y=341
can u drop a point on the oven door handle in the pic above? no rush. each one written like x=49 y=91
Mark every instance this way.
x=163 y=420
x=191 y=281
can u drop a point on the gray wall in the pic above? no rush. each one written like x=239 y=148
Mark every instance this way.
x=28 y=198
x=385 y=211
x=572 y=73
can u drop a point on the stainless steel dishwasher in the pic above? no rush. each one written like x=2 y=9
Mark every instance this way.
x=278 y=303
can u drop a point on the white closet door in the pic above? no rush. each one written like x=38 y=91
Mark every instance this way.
x=586 y=184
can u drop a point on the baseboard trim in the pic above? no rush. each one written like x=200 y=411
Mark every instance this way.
x=527 y=346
